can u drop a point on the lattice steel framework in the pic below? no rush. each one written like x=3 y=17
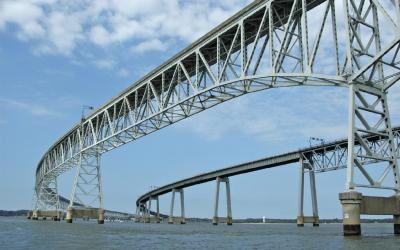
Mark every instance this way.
x=269 y=44
x=87 y=188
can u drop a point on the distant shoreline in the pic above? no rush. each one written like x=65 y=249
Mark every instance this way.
x=23 y=212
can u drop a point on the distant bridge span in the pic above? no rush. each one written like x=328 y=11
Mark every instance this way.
x=268 y=44
x=320 y=158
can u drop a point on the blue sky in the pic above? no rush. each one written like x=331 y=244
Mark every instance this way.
x=56 y=56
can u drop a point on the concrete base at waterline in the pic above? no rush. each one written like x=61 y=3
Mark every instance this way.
x=85 y=213
x=53 y=214
x=176 y=220
x=354 y=204
x=301 y=220
x=227 y=220
x=396 y=224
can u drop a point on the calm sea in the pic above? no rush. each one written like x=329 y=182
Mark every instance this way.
x=19 y=233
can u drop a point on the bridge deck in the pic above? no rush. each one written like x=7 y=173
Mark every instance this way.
x=264 y=163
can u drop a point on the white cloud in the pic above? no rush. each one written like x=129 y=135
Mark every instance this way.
x=151 y=45
x=59 y=26
x=26 y=15
x=104 y=64
x=33 y=109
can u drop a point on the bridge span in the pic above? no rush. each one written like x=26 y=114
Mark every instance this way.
x=320 y=158
x=268 y=44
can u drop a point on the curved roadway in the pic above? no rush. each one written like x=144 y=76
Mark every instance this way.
x=268 y=162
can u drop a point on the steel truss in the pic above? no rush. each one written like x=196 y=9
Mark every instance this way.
x=269 y=44
x=87 y=189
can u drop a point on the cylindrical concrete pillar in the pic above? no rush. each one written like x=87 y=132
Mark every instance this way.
x=396 y=224
x=171 y=209
x=351 y=202
x=34 y=215
x=100 y=219
x=215 y=218
x=158 y=210
x=183 y=219
x=314 y=198
x=300 y=213
x=228 y=203
x=69 y=217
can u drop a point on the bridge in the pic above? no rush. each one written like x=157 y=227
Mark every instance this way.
x=268 y=44
x=321 y=158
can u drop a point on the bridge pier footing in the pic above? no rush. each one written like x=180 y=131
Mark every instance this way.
x=85 y=213
x=354 y=204
x=396 y=224
x=351 y=205
x=53 y=214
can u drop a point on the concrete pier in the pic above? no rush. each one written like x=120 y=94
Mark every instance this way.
x=53 y=214
x=301 y=219
x=171 y=218
x=396 y=224
x=351 y=205
x=216 y=219
x=354 y=204
x=94 y=213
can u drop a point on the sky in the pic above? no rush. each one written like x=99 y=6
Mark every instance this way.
x=57 y=55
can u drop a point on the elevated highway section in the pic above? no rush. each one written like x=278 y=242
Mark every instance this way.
x=320 y=158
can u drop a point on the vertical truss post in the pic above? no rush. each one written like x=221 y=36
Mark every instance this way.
x=369 y=116
x=47 y=200
x=87 y=190
x=368 y=110
x=87 y=193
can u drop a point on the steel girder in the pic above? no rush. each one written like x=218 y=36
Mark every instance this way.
x=333 y=157
x=269 y=44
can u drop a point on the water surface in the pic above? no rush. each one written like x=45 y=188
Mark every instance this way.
x=20 y=233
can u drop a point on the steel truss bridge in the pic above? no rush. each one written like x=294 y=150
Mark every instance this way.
x=268 y=44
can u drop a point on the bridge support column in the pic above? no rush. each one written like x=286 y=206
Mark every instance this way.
x=351 y=205
x=68 y=217
x=216 y=219
x=147 y=214
x=301 y=219
x=158 y=210
x=354 y=204
x=396 y=224
x=87 y=193
x=47 y=200
x=171 y=211
x=368 y=116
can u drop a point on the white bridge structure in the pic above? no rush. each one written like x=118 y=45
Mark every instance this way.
x=269 y=44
